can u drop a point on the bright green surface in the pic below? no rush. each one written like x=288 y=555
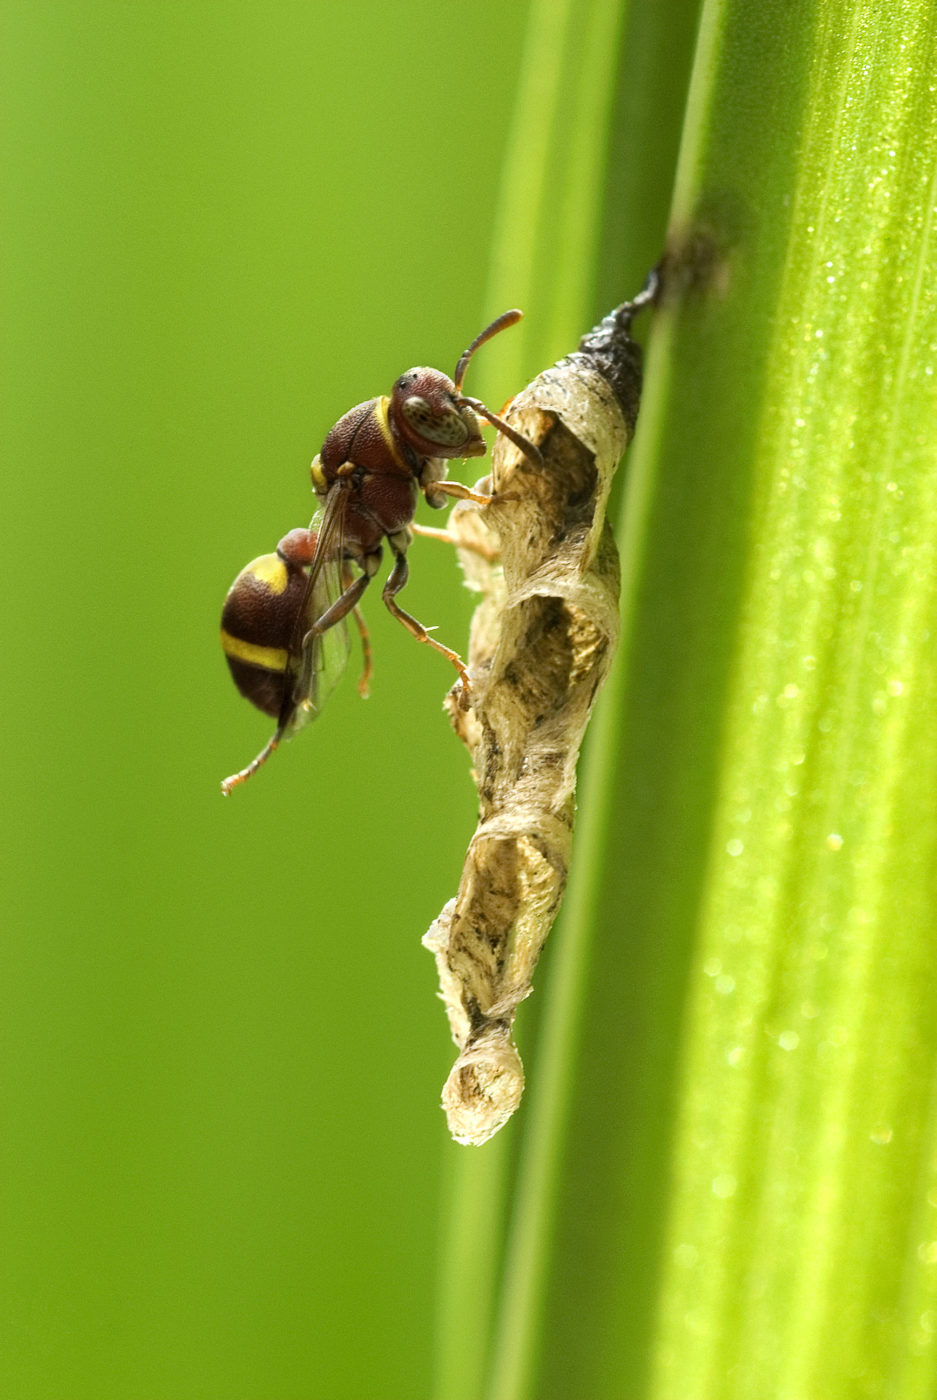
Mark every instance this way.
x=727 y=1187
x=798 y=1255
x=221 y=1048
x=495 y=1337
x=223 y=1170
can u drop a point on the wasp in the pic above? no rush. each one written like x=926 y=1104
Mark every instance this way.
x=284 y=625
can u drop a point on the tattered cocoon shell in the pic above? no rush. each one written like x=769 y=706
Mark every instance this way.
x=541 y=644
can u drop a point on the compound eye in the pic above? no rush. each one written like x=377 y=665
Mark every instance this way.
x=447 y=428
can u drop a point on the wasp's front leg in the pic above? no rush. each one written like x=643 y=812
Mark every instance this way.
x=456 y=489
x=427 y=532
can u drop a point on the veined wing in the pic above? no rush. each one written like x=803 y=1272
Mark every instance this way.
x=317 y=659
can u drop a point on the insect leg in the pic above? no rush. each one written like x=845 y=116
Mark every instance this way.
x=429 y=533
x=518 y=439
x=365 y=681
x=340 y=608
x=461 y=493
x=398 y=578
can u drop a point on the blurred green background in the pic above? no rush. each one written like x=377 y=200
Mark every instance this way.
x=224 y=1169
x=222 y=1151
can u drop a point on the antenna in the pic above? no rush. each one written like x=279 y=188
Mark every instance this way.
x=507 y=318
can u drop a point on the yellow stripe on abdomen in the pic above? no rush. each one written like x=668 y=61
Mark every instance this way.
x=270 y=570
x=268 y=658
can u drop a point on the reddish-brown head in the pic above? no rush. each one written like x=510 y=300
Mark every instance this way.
x=431 y=413
x=428 y=414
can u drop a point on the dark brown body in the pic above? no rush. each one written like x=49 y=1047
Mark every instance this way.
x=373 y=465
x=387 y=478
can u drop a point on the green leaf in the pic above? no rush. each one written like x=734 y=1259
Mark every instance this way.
x=726 y=1185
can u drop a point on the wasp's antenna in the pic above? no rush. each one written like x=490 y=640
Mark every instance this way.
x=518 y=439
x=507 y=318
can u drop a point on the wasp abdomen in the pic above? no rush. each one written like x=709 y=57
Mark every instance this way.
x=257 y=625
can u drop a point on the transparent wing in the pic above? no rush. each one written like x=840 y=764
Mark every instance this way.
x=318 y=660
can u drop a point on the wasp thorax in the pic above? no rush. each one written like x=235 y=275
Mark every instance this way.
x=430 y=416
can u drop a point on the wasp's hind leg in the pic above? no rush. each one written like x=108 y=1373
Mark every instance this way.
x=347 y=603
x=364 y=684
